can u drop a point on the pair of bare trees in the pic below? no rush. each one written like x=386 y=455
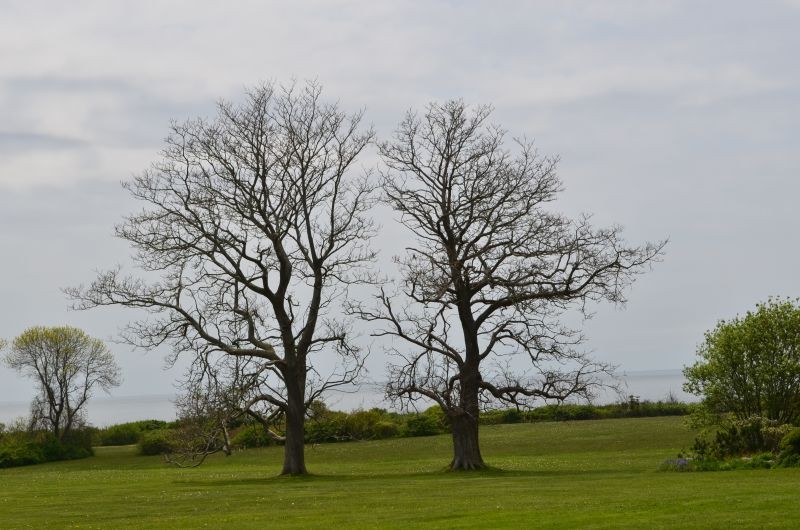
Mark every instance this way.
x=257 y=223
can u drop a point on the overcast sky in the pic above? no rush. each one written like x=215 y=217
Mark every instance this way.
x=673 y=119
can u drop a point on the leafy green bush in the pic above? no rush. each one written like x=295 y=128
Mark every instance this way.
x=496 y=417
x=155 y=442
x=790 y=449
x=121 y=434
x=386 y=429
x=361 y=424
x=251 y=435
x=128 y=433
x=422 y=425
x=737 y=437
x=25 y=448
x=572 y=412
x=16 y=451
x=749 y=365
x=790 y=444
x=330 y=426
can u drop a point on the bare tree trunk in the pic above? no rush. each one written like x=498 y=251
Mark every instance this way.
x=466 y=445
x=294 y=460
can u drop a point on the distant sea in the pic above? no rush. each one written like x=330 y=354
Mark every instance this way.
x=106 y=410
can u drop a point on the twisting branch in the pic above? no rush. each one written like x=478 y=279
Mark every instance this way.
x=255 y=226
x=492 y=270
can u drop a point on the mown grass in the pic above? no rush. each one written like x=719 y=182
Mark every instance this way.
x=585 y=473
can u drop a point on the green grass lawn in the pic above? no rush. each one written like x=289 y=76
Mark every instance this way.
x=586 y=473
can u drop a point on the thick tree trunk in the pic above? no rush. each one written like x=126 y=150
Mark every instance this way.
x=294 y=458
x=466 y=447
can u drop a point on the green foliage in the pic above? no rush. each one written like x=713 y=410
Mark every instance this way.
x=572 y=412
x=750 y=366
x=128 y=433
x=791 y=442
x=75 y=364
x=251 y=435
x=20 y=448
x=122 y=434
x=18 y=451
x=156 y=442
x=363 y=424
x=737 y=437
x=428 y=423
x=332 y=426
x=790 y=449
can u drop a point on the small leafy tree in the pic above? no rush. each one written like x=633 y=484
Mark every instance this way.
x=750 y=366
x=67 y=365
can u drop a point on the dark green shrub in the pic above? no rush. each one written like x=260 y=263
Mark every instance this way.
x=251 y=435
x=155 y=442
x=330 y=426
x=370 y=424
x=422 y=425
x=26 y=448
x=121 y=434
x=511 y=416
x=150 y=425
x=361 y=424
x=790 y=449
x=743 y=437
x=790 y=444
x=76 y=444
x=386 y=429
x=17 y=451
x=128 y=433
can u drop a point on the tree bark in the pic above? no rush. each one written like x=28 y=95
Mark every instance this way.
x=466 y=447
x=294 y=459
x=466 y=444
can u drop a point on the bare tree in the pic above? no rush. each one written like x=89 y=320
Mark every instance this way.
x=257 y=227
x=491 y=274
x=67 y=365
x=218 y=391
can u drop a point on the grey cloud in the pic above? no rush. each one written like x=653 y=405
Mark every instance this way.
x=121 y=113
x=18 y=142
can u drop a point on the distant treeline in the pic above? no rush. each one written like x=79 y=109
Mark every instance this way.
x=325 y=425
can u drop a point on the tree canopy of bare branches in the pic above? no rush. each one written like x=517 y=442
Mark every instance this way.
x=492 y=271
x=255 y=222
x=67 y=365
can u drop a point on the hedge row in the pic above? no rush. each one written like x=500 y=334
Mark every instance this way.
x=21 y=448
x=326 y=425
x=127 y=433
x=567 y=412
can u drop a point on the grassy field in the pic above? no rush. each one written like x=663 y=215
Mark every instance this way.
x=600 y=473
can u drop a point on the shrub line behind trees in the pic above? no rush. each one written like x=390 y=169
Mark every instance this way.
x=329 y=426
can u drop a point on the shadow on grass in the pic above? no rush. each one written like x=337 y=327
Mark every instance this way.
x=445 y=473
